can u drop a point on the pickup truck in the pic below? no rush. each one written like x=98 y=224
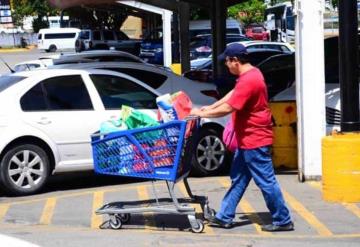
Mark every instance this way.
x=105 y=40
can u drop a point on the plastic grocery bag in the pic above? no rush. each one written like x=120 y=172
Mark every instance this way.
x=182 y=104
x=112 y=125
x=174 y=107
x=136 y=119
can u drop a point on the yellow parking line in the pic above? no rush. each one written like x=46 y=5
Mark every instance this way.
x=248 y=210
x=349 y=206
x=3 y=210
x=106 y=190
x=197 y=206
x=353 y=208
x=98 y=201
x=307 y=215
x=148 y=217
x=48 y=211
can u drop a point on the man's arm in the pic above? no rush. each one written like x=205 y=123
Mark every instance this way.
x=219 y=102
x=219 y=111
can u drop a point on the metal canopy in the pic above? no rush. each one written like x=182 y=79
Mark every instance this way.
x=217 y=8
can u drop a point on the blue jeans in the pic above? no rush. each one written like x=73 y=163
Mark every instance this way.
x=257 y=164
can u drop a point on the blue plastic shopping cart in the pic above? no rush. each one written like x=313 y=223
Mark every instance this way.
x=154 y=153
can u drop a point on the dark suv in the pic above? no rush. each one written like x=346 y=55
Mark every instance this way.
x=105 y=40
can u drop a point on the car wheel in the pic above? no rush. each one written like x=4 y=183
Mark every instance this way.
x=52 y=48
x=24 y=169
x=210 y=155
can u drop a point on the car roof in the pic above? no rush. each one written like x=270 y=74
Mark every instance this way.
x=89 y=56
x=108 y=65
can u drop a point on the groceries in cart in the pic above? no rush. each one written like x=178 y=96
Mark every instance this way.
x=173 y=107
x=155 y=151
x=159 y=144
x=129 y=118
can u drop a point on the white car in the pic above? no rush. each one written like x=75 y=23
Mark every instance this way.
x=49 y=116
x=32 y=64
x=72 y=58
x=250 y=46
x=332 y=103
x=279 y=46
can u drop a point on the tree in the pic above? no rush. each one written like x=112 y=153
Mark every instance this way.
x=335 y=3
x=248 y=12
x=36 y=8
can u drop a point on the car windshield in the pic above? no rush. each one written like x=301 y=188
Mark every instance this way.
x=8 y=81
x=198 y=42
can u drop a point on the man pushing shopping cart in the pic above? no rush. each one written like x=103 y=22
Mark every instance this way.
x=158 y=151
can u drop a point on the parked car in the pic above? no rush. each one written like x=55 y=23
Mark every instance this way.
x=152 y=46
x=105 y=40
x=73 y=58
x=53 y=39
x=46 y=126
x=29 y=65
x=204 y=72
x=332 y=86
x=280 y=46
x=250 y=46
x=257 y=32
x=201 y=46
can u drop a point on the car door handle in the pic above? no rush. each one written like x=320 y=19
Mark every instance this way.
x=44 y=121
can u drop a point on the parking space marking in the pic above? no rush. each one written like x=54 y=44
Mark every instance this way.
x=55 y=228
x=98 y=201
x=307 y=215
x=208 y=230
x=352 y=207
x=248 y=210
x=106 y=190
x=3 y=210
x=149 y=220
x=48 y=211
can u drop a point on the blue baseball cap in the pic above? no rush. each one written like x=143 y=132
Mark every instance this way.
x=233 y=50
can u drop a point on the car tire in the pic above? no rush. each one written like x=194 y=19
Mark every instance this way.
x=24 y=169
x=210 y=156
x=52 y=48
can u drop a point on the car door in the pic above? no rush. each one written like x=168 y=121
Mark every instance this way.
x=61 y=107
x=109 y=38
x=115 y=91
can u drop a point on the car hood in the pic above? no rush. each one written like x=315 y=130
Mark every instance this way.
x=332 y=95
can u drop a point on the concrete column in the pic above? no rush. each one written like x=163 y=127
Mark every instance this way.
x=166 y=17
x=218 y=23
x=184 y=13
x=310 y=86
x=348 y=61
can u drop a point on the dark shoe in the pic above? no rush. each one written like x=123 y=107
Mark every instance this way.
x=219 y=223
x=275 y=228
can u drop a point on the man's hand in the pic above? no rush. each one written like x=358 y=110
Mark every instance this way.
x=196 y=112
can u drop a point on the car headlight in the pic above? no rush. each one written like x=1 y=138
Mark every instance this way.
x=159 y=49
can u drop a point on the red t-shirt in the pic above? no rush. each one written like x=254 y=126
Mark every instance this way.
x=252 y=115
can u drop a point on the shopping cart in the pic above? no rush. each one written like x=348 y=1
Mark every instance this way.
x=153 y=153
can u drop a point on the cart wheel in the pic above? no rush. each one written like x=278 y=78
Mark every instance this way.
x=211 y=212
x=200 y=227
x=125 y=218
x=115 y=222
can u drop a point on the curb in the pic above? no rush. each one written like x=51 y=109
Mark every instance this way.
x=6 y=50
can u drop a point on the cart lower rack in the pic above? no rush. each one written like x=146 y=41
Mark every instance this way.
x=154 y=153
